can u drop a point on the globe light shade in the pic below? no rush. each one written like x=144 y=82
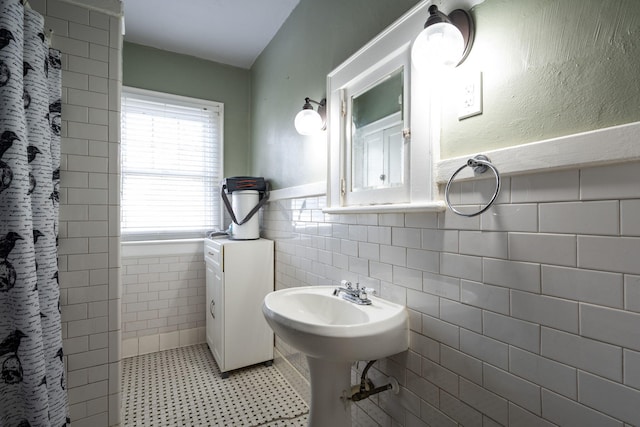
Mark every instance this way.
x=308 y=122
x=438 y=45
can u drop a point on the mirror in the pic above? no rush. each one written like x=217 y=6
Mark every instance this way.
x=377 y=143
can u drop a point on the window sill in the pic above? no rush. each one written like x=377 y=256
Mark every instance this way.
x=161 y=247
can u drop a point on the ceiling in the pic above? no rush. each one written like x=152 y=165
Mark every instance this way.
x=231 y=32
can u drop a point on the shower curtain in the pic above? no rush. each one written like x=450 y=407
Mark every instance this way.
x=32 y=381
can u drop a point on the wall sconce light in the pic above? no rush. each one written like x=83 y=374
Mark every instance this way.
x=308 y=121
x=445 y=40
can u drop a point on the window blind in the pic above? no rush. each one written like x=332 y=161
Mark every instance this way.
x=171 y=159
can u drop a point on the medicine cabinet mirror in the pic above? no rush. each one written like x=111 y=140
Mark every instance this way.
x=380 y=141
x=377 y=141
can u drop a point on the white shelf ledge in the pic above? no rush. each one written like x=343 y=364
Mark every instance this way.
x=435 y=206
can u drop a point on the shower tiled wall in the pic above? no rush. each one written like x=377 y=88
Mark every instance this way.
x=91 y=43
x=528 y=315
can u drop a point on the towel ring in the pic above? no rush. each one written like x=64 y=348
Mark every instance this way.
x=479 y=164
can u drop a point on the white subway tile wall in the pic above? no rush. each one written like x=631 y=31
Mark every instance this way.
x=528 y=315
x=91 y=44
x=163 y=302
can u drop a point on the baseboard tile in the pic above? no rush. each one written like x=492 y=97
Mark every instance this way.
x=159 y=342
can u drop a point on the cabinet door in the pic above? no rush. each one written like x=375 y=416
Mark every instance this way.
x=216 y=307
x=209 y=302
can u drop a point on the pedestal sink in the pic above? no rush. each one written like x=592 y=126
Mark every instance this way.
x=334 y=333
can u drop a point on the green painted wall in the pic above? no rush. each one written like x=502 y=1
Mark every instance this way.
x=550 y=68
x=153 y=69
x=317 y=37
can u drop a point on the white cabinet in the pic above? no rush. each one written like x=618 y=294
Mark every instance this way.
x=239 y=276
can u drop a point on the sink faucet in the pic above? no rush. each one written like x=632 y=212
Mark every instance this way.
x=357 y=295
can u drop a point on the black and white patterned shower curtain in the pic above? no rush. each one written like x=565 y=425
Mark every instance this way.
x=32 y=381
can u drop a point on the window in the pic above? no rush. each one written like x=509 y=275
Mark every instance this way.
x=171 y=166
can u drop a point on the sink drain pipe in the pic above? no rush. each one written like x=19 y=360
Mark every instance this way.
x=367 y=388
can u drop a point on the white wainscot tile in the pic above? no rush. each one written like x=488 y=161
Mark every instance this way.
x=545 y=372
x=441 y=377
x=609 y=325
x=600 y=217
x=461 y=266
x=451 y=220
x=394 y=255
x=440 y=240
x=480 y=191
x=546 y=187
x=517 y=390
x=632 y=368
x=485 y=401
x=567 y=412
x=461 y=363
x=407 y=277
x=461 y=314
x=612 y=398
x=425 y=346
x=358 y=233
x=554 y=249
x=511 y=274
x=381 y=235
x=423 y=260
x=488 y=297
x=381 y=271
x=521 y=217
x=461 y=412
x=630 y=217
x=523 y=418
x=484 y=348
x=369 y=251
x=443 y=286
x=405 y=237
x=632 y=293
x=421 y=219
x=360 y=266
x=583 y=353
x=423 y=303
x=591 y=286
x=549 y=311
x=610 y=182
x=512 y=331
x=482 y=243
x=423 y=388
x=441 y=331
x=619 y=254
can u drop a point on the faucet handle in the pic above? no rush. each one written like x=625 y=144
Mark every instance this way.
x=365 y=291
x=346 y=284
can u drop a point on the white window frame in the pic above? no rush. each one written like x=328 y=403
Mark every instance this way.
x=214 y=199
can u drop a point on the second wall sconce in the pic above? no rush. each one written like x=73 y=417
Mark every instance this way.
x=445 y=40
x=308 y=121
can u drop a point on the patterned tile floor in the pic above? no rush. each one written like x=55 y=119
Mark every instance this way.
x=183 y=387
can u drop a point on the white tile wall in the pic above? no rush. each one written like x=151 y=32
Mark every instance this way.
x=163 y=302
x=89 y=268
x=526 y=316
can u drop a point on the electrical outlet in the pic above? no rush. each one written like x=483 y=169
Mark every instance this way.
x=470 y=96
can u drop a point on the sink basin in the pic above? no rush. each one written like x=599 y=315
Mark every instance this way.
x=325 y=326
x=333 y=333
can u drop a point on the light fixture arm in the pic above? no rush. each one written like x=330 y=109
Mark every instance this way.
x=308 y=101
